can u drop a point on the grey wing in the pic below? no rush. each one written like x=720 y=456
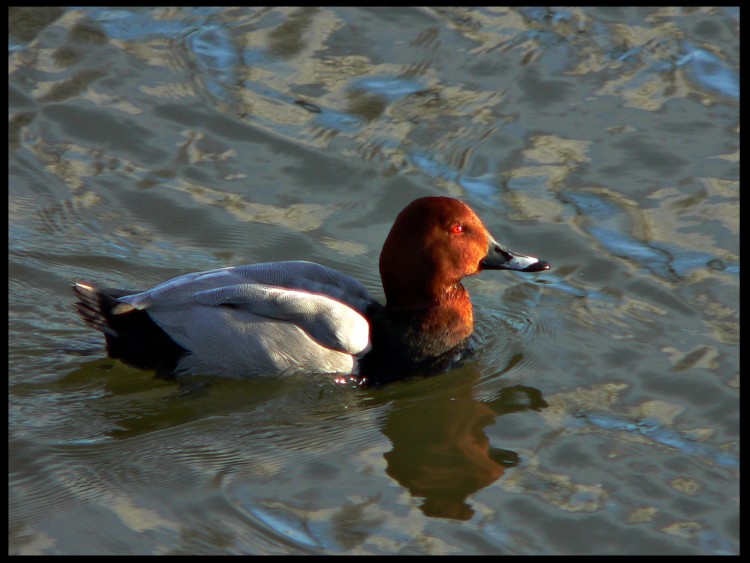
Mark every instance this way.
x=296 y=275
x=329 y=322
x=231 y=341
x=233 y=323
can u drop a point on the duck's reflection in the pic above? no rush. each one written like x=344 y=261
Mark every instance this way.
x=436 y=427
x=440 y=451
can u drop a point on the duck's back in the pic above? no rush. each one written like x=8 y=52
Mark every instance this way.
x=242 y=321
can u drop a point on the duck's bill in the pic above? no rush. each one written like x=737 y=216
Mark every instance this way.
x=500 y=258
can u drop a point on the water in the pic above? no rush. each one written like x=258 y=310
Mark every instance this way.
x=599 y=413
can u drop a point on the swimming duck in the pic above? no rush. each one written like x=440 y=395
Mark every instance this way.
x=298 y=316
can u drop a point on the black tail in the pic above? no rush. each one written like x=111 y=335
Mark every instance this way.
x=131 y=336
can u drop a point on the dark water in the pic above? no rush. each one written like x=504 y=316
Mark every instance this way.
x=599 y=413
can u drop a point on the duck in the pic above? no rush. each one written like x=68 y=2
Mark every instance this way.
x=296 y=316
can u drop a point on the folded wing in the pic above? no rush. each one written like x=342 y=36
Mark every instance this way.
x=262 y=318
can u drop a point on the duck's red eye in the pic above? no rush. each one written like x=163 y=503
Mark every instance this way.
x=457 y=229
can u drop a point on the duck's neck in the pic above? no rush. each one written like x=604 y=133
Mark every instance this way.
x=428 y=328
x=446 y=313
x=417 y=339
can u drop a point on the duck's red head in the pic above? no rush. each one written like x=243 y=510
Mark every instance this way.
x=433 y=244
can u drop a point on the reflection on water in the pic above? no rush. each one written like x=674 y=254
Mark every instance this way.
x=440 y=452
x=148 y=142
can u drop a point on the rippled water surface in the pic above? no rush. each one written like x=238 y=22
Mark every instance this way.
x=599 y=413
